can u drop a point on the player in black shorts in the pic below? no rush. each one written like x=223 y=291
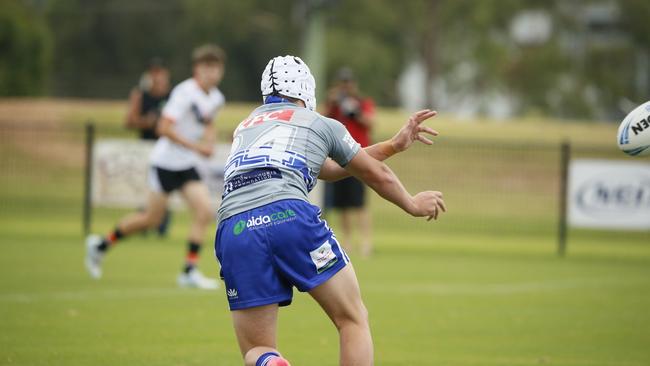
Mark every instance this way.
x=145 y=106
x=187 y=135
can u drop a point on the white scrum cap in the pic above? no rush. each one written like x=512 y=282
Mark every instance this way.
x=289 y=76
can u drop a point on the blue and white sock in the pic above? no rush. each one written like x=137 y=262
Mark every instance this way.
x=265 y=358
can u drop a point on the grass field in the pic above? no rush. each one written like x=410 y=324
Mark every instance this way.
x=481 y=287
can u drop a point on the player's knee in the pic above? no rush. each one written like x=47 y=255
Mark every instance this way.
x=355 y=316
x=154 y=219
x=204 y=215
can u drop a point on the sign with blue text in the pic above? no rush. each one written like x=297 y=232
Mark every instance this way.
x=609 y=194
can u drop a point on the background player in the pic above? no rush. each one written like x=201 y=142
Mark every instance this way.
x=147 y=99
x=146 y=102
x=270 y=238
x=187 y=133
x=357 y=113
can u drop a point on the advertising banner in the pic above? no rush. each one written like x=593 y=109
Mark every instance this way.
x=609 y=194
x=121 y=168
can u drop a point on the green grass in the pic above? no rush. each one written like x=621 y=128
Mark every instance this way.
x=483 y=286
x=434 y=300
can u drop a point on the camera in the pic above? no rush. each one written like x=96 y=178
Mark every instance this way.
x=350 y=107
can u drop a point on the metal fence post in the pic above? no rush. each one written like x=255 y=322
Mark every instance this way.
x=87 y=208
x=565 y=157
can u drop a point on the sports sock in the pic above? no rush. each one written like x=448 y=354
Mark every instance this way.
x=193 y=250
x=264 y=359
x=110 y=239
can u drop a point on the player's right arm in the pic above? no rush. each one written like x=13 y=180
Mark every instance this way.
x=166 y=128
x=382 y=180
x=134 y=119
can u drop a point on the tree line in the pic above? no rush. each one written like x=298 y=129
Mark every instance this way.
x=98 y=48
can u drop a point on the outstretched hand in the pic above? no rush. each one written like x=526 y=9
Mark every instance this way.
x=413 y=131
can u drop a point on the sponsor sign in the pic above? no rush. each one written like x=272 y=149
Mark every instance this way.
x=121 y=169
x=609 y=194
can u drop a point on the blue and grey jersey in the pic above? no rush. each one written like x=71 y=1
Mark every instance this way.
x=277 y=154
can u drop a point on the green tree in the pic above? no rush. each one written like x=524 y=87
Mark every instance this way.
x=102 y=46
x=24 y=50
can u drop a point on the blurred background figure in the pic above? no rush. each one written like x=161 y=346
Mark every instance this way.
x=346 y=104
x=187 y=135
x=146 y=102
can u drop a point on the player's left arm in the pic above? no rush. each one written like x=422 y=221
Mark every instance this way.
x=409 y=133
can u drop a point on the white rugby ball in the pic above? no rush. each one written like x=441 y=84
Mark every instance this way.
x=634 y=132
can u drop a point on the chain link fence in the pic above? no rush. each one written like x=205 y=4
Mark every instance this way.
x=493 y=189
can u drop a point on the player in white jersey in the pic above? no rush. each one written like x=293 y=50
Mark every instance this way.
x=187 y=135
x=271 y=239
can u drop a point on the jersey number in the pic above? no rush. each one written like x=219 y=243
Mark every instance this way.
x=274 y=142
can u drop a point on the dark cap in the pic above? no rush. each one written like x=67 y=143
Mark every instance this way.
x=345 y=74
x=208 y=53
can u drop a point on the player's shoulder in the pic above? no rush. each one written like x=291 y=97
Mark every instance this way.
x=325 y=121
x=185 y=88
x=217 y=96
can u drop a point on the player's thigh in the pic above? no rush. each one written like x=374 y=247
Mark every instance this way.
x=340 y=298
x=156 y=205
x=256 y=326
x=197 y=195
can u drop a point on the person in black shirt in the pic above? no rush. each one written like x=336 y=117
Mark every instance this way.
x=145 y=105
x=147 y=99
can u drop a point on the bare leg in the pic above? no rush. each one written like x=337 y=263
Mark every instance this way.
x=256 y=331
x=197 y=196
x=340 y=297
x=365 y=231
x=149 y=218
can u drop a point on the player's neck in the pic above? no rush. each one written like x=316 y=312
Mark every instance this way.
x=205 y=88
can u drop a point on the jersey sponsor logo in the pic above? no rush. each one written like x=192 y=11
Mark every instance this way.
x=232 y=293
x=239 y=227
x=256 y=222
x=248 y=178
x=281 y=115
x=323 y=257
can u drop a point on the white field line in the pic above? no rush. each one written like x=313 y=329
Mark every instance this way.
x=118 y=294
x=549 y=360
x=444 y=289
x=439 y=289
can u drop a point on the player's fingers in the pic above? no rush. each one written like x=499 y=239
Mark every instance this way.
x=420 y=116
x=434 y=214
x=442 y=205
x=425 y=116
x=429 y=130
x=421 y=112
x=424 y=140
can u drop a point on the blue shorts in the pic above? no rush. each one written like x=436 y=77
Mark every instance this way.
x=266 y=251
